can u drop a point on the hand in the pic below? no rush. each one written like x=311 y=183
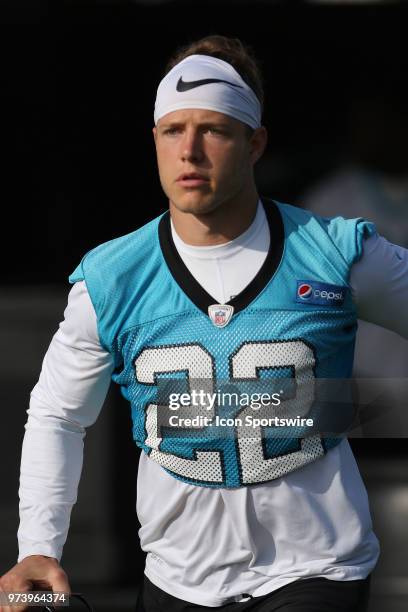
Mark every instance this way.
x=34 y=572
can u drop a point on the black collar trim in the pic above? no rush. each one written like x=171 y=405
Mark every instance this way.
x=196 y=292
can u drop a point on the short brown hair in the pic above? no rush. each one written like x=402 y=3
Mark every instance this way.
x=231 y=50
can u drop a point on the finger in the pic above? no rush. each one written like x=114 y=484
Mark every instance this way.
x=14 y=608
x=50 y=577
x=59 y=581
x=21 y=608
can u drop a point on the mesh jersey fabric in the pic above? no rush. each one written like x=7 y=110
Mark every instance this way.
x=154 y=330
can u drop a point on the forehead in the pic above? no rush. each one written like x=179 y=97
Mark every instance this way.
x=197 y=116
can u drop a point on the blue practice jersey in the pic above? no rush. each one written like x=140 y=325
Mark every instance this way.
x=294 y=321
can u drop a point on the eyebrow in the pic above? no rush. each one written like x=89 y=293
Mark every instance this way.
x=171 y=124
x=204 y=124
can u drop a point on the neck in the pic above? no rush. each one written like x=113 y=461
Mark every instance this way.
x=226 y=222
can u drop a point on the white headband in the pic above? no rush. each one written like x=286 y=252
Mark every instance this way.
x=203 y=81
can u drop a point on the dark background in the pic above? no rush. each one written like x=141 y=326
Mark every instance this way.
x=77 y=92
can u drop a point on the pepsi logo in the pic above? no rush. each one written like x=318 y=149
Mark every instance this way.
x=305 y=291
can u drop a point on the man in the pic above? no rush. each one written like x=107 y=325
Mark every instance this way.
x=223 y=287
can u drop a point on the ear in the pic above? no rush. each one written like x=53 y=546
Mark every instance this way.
x=258 y=141
x=154 y=133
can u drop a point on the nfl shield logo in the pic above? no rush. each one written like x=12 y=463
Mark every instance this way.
x=220 y=314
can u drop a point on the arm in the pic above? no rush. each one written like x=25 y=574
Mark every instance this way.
x=379 y=284
x=68 y=397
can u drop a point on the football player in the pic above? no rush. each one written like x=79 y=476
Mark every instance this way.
x=224 y=287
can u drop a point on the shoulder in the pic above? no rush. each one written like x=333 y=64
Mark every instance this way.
x=343 y=234
x=119 y=252
x=331 y=224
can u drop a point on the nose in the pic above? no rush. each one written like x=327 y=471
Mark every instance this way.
x=191 y=146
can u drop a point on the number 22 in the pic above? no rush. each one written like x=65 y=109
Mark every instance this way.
x=198 y=363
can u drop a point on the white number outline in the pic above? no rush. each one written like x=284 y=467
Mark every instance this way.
x=205 y=461
x=210 y=461
x=254 y=465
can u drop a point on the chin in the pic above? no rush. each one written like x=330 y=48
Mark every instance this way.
x=194 y=205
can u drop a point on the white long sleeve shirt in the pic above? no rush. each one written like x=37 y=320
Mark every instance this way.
x=204 y=545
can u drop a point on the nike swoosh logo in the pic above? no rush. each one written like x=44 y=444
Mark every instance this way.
x=187 y=85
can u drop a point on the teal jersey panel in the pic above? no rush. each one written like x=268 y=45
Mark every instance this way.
x=296 y=320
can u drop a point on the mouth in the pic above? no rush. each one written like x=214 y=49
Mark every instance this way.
x=192 y=179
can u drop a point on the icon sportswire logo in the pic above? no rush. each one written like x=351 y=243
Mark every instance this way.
x=187 y=85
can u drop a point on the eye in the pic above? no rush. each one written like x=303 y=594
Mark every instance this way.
x=214 y=130
x=217 y=131
x=171 y=131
